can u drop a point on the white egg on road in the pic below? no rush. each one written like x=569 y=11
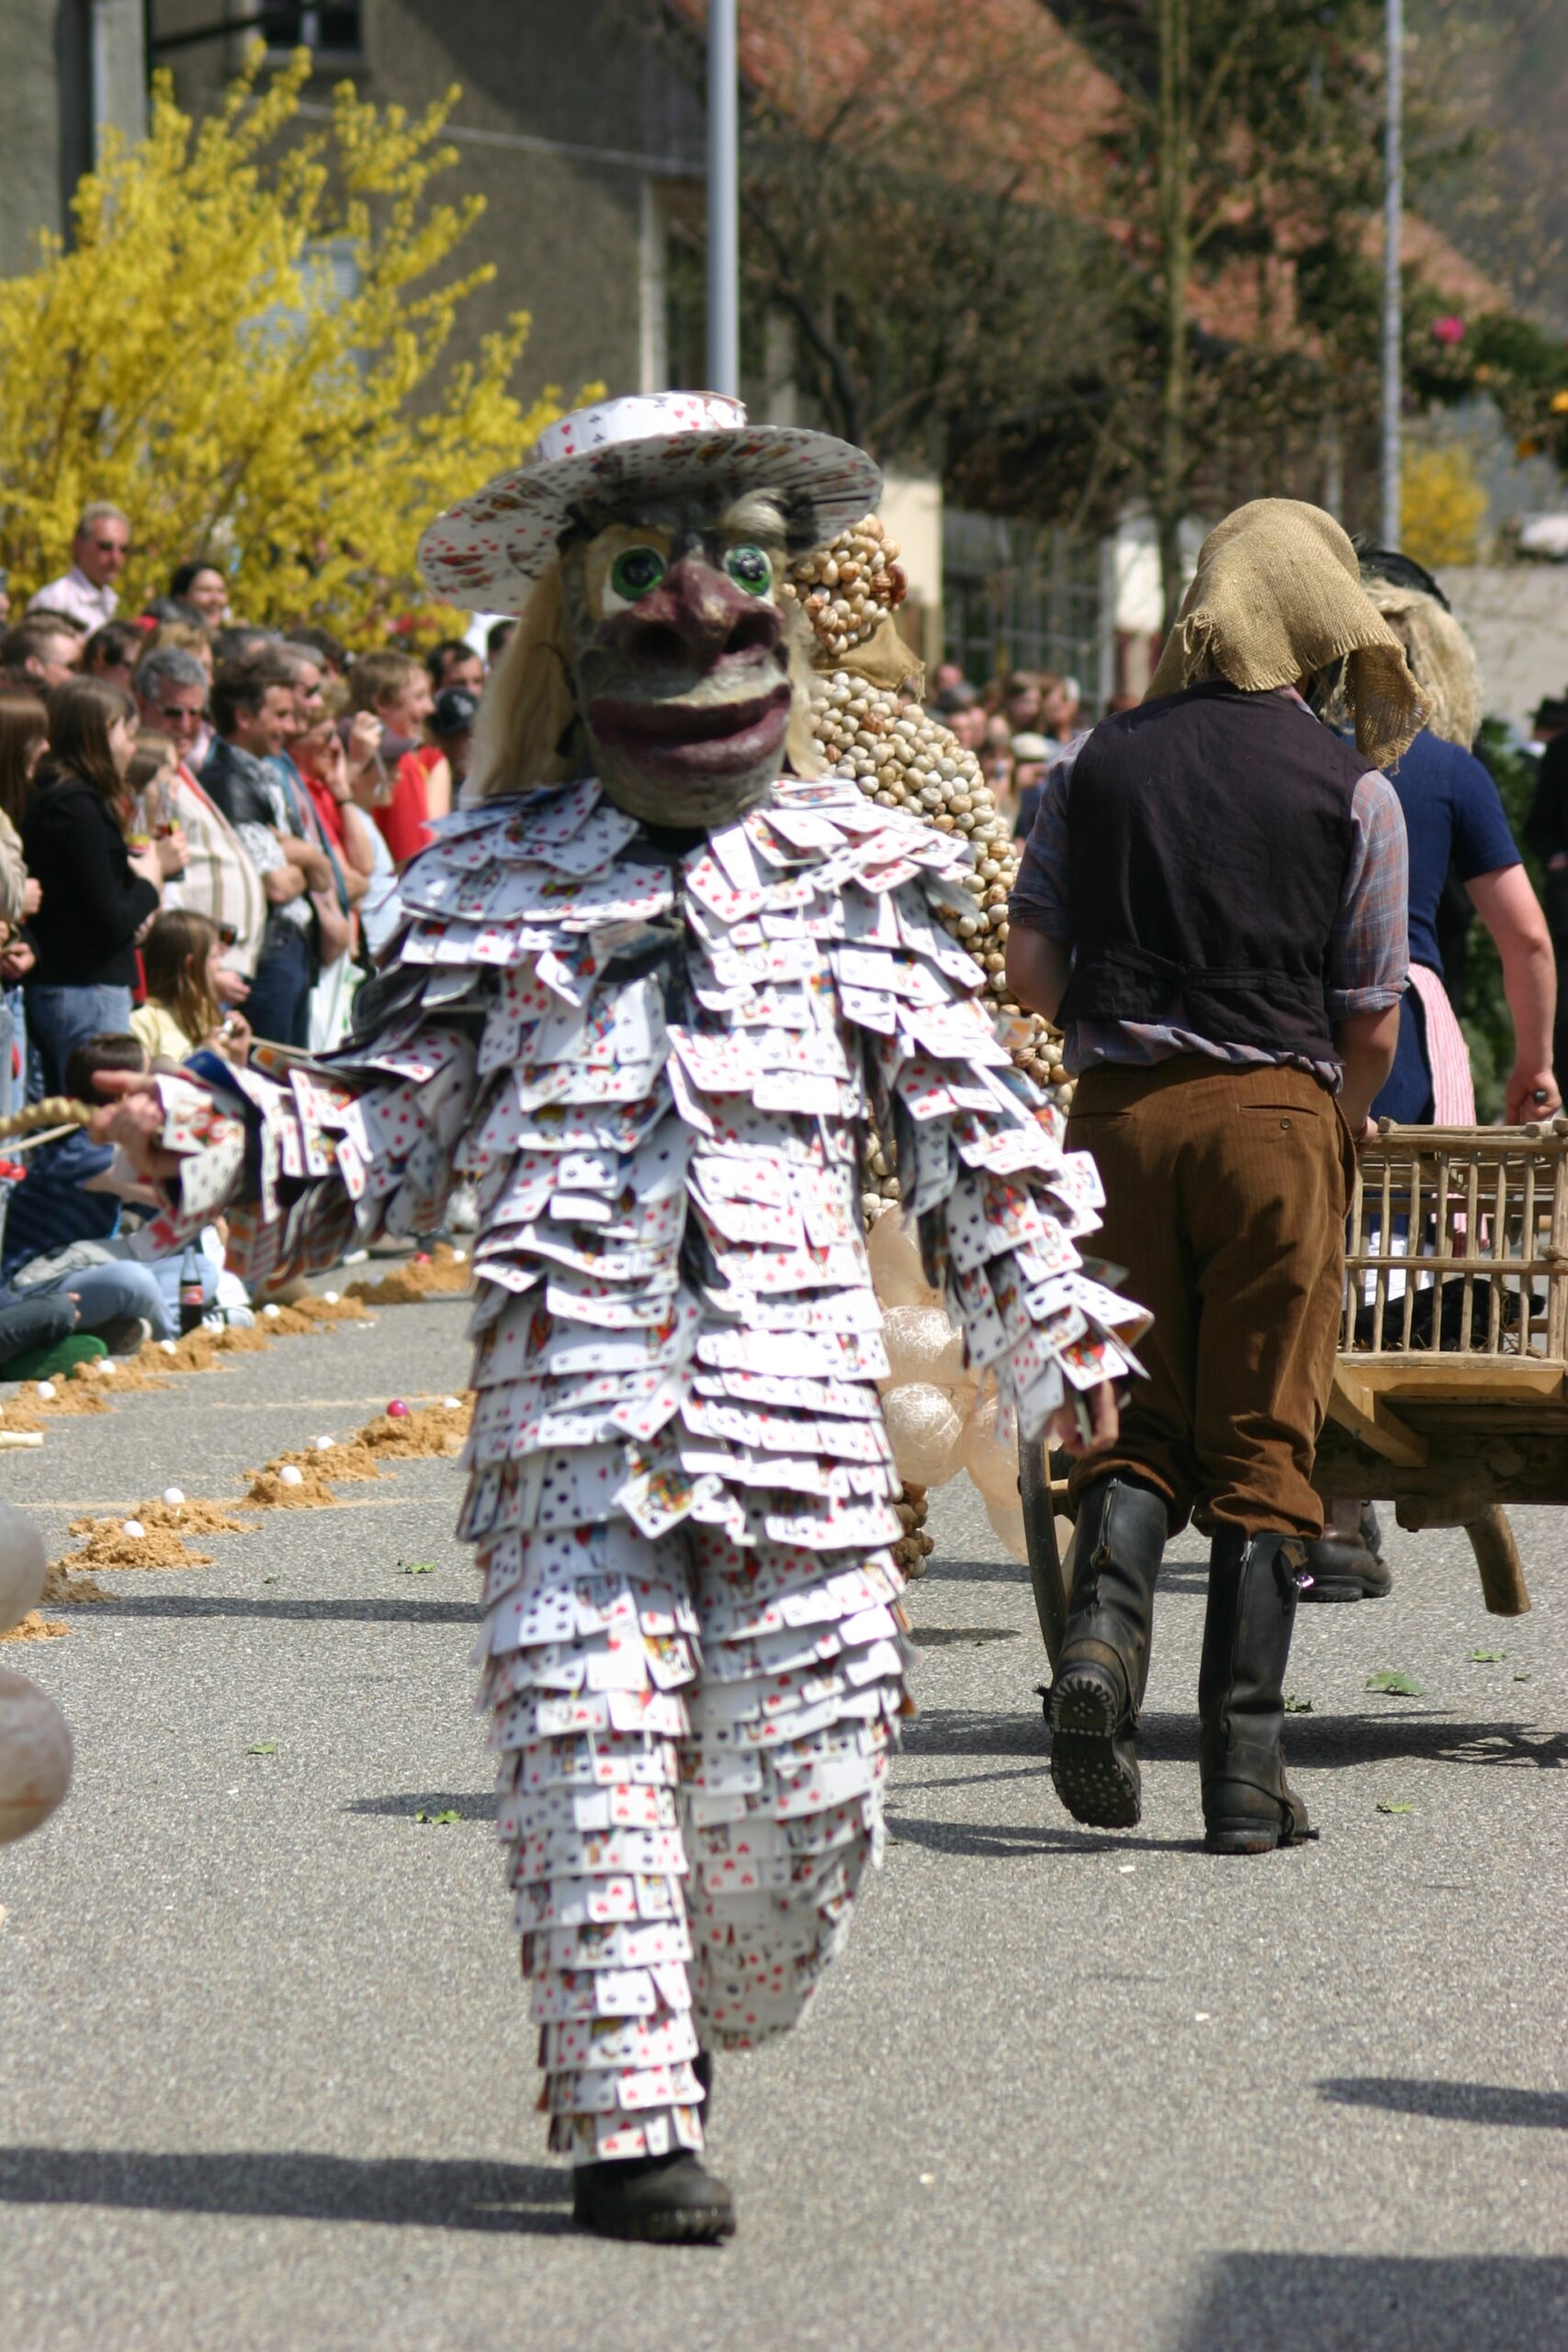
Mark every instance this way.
x=23 y=1564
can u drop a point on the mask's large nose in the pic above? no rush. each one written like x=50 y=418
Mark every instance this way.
x=695 y=616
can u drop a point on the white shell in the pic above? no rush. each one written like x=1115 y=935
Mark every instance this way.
x=453 y=1404
x=35 y=1756
x=290 y=1476
x=46 y=1388
x=272 y=1310
x=168 y=1346
x=133 y=1528
x=22 y=1564
x=330 y=1296
x=174 y=1496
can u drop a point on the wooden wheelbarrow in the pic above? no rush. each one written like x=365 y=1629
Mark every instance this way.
x=1450 y=1390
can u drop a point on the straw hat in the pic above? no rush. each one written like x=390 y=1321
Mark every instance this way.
x=488 y=550
x=1277 y=596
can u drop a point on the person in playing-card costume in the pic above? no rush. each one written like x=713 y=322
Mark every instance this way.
x=650 y=989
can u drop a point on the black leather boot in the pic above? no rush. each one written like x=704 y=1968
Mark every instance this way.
x=1104 y=1663
x=658 y=2201
x=1348 y=1566
x=1249 y=1807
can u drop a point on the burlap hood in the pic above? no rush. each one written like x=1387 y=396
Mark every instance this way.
x=1277 y=596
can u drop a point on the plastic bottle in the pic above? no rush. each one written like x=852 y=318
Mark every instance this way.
x=193 y=1306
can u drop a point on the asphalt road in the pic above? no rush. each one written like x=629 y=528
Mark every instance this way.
x=266 y=2077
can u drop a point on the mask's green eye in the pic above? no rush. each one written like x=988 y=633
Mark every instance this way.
x=634 y=571
x=750 y=569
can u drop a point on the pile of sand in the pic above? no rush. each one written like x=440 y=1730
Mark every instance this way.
x=273 y=1493
x=62 y=1588
x=108 y=1547
x=34 y=1628
x=276 y=1322
x=197 y=1351
x=193 y=1517
x=425 y=1431
x=348 y=1461
x=233 y=1341
x=70 y=1397
x=330 y=1310
x=440 y=1274
x=126 y=1375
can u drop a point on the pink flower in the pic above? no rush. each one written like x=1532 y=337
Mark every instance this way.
x=1448 y=330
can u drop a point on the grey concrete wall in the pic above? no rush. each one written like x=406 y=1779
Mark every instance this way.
x=539 y=79
x=47 y=108
x=1518 y=618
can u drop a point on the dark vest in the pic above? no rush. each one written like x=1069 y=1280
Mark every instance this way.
x=1208 y=839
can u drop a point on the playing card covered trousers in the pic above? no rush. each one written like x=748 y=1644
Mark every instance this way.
x=693 y=1747
x=1225 y=1198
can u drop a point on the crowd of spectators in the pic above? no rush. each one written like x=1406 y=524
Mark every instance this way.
x=1015 y=726
x=202 y=824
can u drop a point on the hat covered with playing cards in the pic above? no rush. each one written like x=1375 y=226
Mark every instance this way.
x=487 y=552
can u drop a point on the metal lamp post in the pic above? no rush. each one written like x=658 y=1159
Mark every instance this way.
x=724 y=201
x=1393 y=211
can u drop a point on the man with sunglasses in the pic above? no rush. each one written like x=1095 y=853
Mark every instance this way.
x=221 y=878
x=98 y=555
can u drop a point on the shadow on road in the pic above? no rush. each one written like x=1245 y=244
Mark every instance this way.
x=936 y=1637
x=995 y=1841
x=471 y=1806
x=968 y=1731
x=1324 y=2303
x=1423 y=1737
x=437 y=2195
x=1451 y=2102
x=346 y=1613
x=941 y=1571
x=1315 y=1741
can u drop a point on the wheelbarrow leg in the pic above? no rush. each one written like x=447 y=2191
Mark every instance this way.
x=1497 y=1557
x=1050 y=1575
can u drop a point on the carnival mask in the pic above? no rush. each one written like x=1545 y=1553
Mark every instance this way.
x=682 y=667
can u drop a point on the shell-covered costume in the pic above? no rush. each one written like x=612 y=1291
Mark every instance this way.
x=659 y=1064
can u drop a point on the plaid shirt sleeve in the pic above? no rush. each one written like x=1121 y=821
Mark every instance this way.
x=1039 y=895
x=1368 y=950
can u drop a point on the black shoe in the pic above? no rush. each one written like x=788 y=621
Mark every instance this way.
x=126 y=1334
x=1348 y=1568
x=1249 y=1807
x=1092 y=1706
x=658 y=2201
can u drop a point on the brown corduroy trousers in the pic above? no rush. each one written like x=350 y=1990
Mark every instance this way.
x=1226 y=1199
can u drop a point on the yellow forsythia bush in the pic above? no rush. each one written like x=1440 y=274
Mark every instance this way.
x=245 y=347
x=1442 y=507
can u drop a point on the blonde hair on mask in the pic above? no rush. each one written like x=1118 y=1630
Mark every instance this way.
x=1441 y=659
x=527 y=716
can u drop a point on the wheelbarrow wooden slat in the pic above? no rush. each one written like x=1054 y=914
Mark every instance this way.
x=1456 y=1332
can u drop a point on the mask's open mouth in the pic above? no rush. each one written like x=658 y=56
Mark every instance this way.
x=691 y=738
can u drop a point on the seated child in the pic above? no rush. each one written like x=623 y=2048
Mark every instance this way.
x=61 y=1236
x=181 y=956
